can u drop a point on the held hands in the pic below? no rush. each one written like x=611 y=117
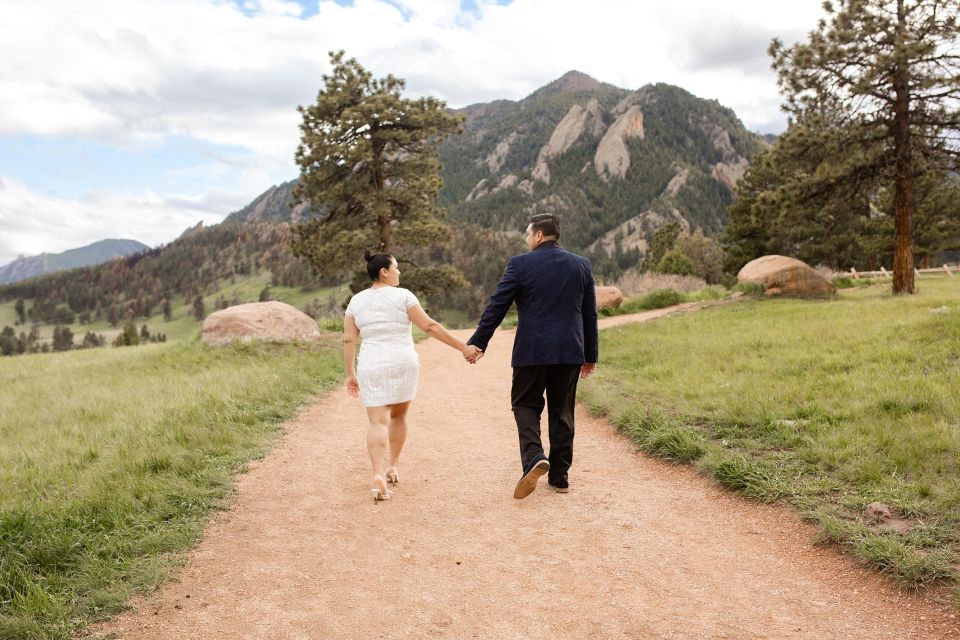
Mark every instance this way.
x=353 y=387
x=472 y=353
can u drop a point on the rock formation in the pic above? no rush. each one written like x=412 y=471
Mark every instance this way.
x=266 y=321
x=780 y=275
x=609 y=298
x=612 y=157
x=577 y=122
x=496 y=159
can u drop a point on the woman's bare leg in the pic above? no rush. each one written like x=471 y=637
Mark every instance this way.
x=379 y=418
x=398 y=432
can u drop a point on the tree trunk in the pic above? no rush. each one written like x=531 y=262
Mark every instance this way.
x=903 y=194
x=379 y=183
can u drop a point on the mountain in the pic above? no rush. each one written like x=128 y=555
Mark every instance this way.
x=615 y=164
x=272 y=204
x=29 y=267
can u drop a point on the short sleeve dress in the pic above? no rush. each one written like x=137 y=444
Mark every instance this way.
x=388 y=368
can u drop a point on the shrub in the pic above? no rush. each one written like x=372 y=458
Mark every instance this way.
x=676 y=263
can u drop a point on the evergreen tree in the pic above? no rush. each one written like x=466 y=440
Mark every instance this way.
x=167 y=309
x=8 y=341
x=675 y=263
x=662 y=242
x=144 y=333
x=704 y=253
x=128 y=337
x=21 y=311
x=62 y=338
x=265 y=294
x=368 y=164
x=199 y=309
x=892 y=68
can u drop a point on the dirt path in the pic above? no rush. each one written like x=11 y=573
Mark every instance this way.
x=638 y=549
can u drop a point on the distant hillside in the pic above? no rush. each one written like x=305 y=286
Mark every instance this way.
x=30 y=267
x=616 y=164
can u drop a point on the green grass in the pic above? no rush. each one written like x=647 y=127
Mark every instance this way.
x=183 y=326
x=112 y=459
x=665 y=298
x=827 y=405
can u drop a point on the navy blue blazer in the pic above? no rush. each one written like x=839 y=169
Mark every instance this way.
x=556 y=308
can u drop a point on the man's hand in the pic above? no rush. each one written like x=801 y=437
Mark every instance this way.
x=472 y=353
x=587 y=370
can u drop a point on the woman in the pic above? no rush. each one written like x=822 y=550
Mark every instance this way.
x=388 y=368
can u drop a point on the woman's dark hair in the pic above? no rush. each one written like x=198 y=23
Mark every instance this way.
x=375 y=262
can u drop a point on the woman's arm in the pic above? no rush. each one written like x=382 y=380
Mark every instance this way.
x=350 y=335
x=434 y=329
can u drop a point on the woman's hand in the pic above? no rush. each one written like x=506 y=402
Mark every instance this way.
x=353 y=387
x=471 y=353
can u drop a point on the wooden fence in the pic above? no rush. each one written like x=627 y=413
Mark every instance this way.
x=949 y=270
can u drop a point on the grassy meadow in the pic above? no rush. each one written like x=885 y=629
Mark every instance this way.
x=826 y=405
x=112 y=459
x=183 y=325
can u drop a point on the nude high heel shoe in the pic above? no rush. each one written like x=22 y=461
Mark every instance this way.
x=393 y=475
x=379 y=493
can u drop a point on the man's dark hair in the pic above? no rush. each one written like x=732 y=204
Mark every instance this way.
x=548 y=223
x=375 y=262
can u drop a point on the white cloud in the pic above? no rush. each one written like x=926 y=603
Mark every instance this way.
x=35 y=222
x=225 y=73
x=207 y=69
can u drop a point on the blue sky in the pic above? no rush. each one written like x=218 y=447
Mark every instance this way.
x=139 y=119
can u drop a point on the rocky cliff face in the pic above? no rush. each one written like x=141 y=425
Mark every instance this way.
x=616 y=164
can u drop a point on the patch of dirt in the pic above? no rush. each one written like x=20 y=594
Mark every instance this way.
x=639 y=548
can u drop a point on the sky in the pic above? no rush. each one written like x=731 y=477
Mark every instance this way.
x=137 y=119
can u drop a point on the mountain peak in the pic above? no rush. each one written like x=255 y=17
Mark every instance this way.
x=573 y=81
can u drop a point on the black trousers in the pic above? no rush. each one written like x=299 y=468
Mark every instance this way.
x=559 y=382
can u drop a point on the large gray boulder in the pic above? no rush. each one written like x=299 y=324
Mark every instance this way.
x=267 y=321
x=783 y=276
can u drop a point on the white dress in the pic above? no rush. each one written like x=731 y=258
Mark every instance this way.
x=388 y=367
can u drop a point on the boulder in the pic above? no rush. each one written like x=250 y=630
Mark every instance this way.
x=267 y=321
x=609 y=298
x=783 y=276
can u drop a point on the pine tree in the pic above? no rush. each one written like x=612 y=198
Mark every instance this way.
x=199 y=309
x=167 y=309
x=892 y=68
x=62 y=338
x=368 y=165
x=8 y=341
x=21 y=311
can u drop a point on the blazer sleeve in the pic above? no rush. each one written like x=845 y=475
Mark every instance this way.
x=497 y=308
x=591 y=348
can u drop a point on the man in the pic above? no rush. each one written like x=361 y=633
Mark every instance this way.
x=556 y=344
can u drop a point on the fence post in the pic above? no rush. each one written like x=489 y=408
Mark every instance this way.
x=947 y=269
x=854 y=272
x=883 y=271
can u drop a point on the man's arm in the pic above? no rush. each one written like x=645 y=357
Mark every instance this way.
x=588 y=311
x=496 y=309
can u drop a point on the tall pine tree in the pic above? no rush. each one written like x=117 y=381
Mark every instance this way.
x=892 y=67
x=369 y=168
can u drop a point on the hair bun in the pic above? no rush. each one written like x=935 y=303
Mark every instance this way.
x=367 y=255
